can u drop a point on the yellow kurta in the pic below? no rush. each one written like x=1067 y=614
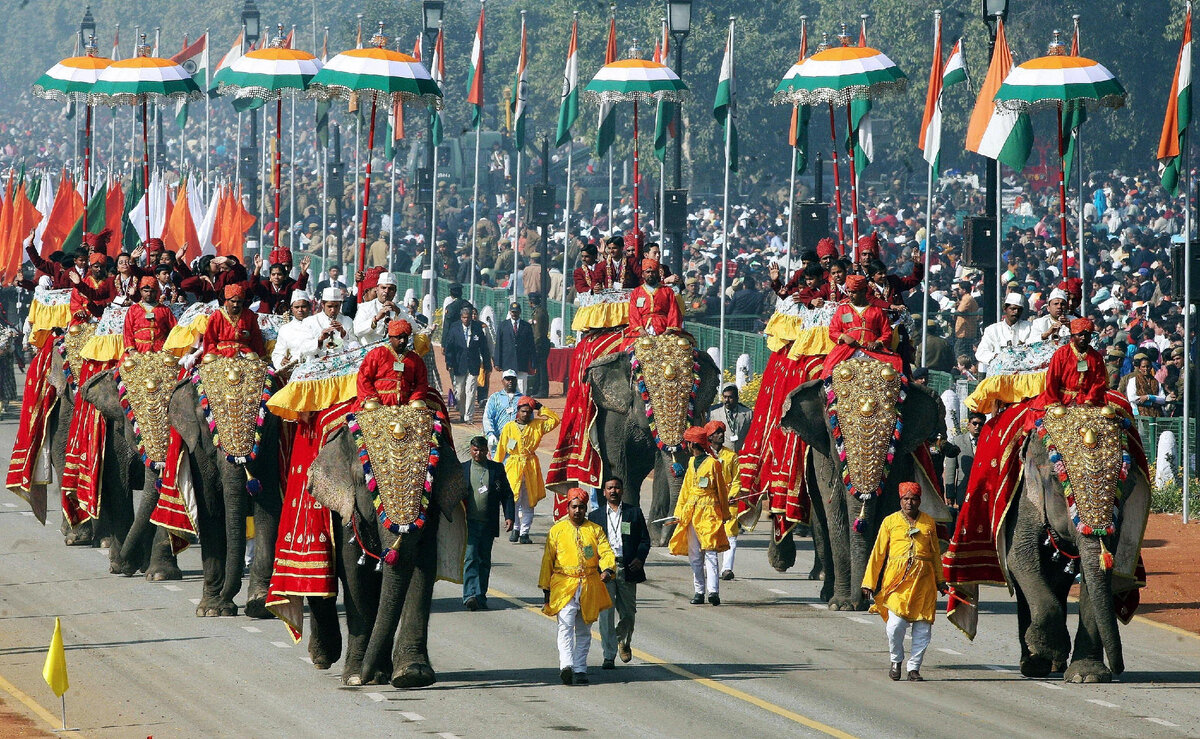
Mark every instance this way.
x=703 y=506
x=733 y=483
x=910 y=565
x=517 y=449
x=575 y=556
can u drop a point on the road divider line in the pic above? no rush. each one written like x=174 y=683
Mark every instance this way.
x=1102 y=704
x=997 y=668
x=173 y=588
x=777 y=591
x=282 y=644
x=700 y=679
x=1160 y=721
x=947 y=650
x=51 y=720
x=377 y=697
x=409 y=715
x=252 y=629
x=1045 y=684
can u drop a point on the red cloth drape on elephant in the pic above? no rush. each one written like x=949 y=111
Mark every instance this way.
x=864 y=325
x=83 y=470
x=576 y=462
x=36 y=404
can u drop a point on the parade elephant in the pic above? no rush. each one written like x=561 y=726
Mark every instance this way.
x=844 y=526
x=388 y=594
x=138 y=545
x=1042 y=549
x=623 y=433
x=228 y=492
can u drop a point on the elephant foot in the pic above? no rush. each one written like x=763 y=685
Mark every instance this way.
x=782 y=555
x=827 y=591
x=1088 y=671
x=352 y=681
x=1058 y=666
x=323 y=655
x=216 y=608
x=374 y=677
x=256 y=607
x=1035 y=666
x=80 y=536
x=121 y=567
x=414 y=675
x=159 y=571
x=108 y=542
x=817 y=571
x=845 y=603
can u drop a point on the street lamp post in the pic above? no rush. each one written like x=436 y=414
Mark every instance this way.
x=432 y=14
x=252 y=25
x=679 y=23
x=993 y=11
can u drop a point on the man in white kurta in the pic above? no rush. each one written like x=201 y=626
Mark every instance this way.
x=329 y=332
x=371 y=320
x=1008 y=331
x=293 y=335
x=1056 y=324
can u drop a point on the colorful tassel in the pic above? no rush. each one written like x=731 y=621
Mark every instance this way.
x=860 y=526
x=1106 y=558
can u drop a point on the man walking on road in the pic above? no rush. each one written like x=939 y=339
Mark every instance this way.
x=466 y=353
x=490 y=494
x=514 y=346
x=629 y=538
x=517 y=449
x=904 y=577
x=734 y=415
x=501 y=408
x=576 y=563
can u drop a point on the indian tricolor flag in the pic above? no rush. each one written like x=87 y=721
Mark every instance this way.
x=955 y=69
x=518 y=102
x=725 y=103
x=606 y=129
x=568 y=106
x=1179 y=113
x=1004 y=135
x=475 y=81
x=931 y=122
x=437 y=70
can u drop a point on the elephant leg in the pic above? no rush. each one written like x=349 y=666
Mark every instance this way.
x=268 y=507
x=81 y=535
x=1087 y=658
x=410 y=658
x=1022 y=620
x=134 y=553
x=860 y=547
x=360 y=592
x=837 y=524
x=822 y=540
x=393 y=594
x=117 y=512
x=325 y=639
x=1046 y=637
x=212 y=555
x=820 y=543
x=234 y=486
x=666 y=493
x=163 y=564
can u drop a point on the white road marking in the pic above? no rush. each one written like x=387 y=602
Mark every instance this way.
x=1045 y=684
x=777 y=591
x=947 y=650
x=858 y=619
x=10 y=505
x=306 y=659
x=282 y=644
x=252 y=629
x=194 y=601
x=27 y=513
x=819 y=606
x=1160 y=721
x=447 y=735
x=997 y=668
x=1102 y=704
x=416 y=716
x=173 y=588
x=377 y=697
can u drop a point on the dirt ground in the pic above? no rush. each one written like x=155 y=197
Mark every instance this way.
x=1172 y=592
x=14 y=725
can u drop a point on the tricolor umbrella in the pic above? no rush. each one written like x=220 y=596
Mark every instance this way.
x=139 y=81
x=1064 y=83
x=635 y=80
x=381 y=75
x=71 y=81
x=838 y=76
x=270 y=74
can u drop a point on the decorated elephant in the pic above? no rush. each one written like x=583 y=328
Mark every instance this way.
x=1081 y=509
x=133 y=400
x=232 y=448
x=395 y=488
x=645 y=400
x=863 y=428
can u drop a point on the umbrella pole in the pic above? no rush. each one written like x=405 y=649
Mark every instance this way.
x=837 y=183
x=87 y=164
x=145 y=167
x=637 y=241
x=853 y=184
x=362 y=234
x=1062 y=196
x=278 y=161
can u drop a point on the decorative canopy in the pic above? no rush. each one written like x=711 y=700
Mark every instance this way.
x=635 y=79
x=838 y=75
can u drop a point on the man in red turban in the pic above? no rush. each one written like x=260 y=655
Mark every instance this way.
x=232 y=329
x=92 y=293
x=653 y=308
x=857 y=326
x=826 y=251
x=1076 y=375
x=147 y=323
x=392 y=374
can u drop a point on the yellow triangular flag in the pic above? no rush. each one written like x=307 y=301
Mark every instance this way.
x=55 y=669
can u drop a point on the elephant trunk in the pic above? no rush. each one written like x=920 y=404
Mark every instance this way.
x=387 y=619
x=234 y=483
x=1098 y=581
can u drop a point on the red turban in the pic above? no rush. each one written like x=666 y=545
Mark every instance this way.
x=826 y=248
x=154 y=245
x=399 y=327
x=577 y=494
x=526 y=400
x=281 y=256
x=370 y=280
x=868 y=244
x=1074 y=286
x=1082 y=325
x=97 y=242
x=855 y=282
x=910 y=490
x=147 y=281
x=97 y=258
x=696 y=435
x=649 y=264
x=234 y=290
x=713 y=427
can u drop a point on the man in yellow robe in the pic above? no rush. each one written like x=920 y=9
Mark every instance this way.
x=576 y=564
x=517 y=449
x=731 y=471
x=702 y=510
x=904 y=577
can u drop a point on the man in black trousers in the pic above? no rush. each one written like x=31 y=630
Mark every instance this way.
x=490 y=493
x=514 y=347
x=629 y=538
x=540 y=321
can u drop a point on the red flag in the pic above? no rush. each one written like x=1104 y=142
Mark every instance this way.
x=67 y=210
x=114 y=209
x=610 y=51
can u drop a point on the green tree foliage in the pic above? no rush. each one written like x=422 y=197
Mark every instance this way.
x=1138 y=40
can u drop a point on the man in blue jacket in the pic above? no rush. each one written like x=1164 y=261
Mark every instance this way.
x=490 y=494
x=629 y=538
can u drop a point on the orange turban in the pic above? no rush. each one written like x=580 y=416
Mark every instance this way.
x=399 y=327
x=97 y=258
x=910 y=490
x=154 y=245
x=855 y=282
x=696 y=435
x=234 y=290
x=577 y=494
x=1082 y=325
x=649 y=263
x=147 y=281
x=713 y=427
x=527 y=400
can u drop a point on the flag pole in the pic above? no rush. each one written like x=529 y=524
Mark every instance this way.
x=937 y=55
x=1187 y=321
x=837 y=183
x=325 y=208
x=1079 y=255
x=729 y=114
x=999 y=239
x=611 y=221
x=207 y=117
x=516 y=242
x=475 y=208
x=357 y=175
x=292 y=179
x=566 y=234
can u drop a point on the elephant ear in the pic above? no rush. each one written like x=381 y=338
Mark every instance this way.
x=924 y=416
x=333 y=474
x=101 y=391
x=804 y=414
x=611 y=385
x=57 y=378
x=450 y=487
x=710 y=380
x=185 y=414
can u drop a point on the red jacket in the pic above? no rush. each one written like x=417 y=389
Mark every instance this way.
x=92 y=296
x=379 y=379
x=146 y=327
x=657 y=312
x=589 y=279
x=227 y=338
x=1068 y=385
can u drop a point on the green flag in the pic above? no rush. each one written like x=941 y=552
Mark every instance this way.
x=517 y=101
x=662 y=128
x=725 y=104
x=95 y=217
x=798 y=135
x=129 y=236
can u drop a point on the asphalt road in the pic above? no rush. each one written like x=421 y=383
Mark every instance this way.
x=770 y=661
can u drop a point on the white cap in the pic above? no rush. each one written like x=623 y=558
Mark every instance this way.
x=330 y=294
x=1014 y=299
x=509 y=373
x=1059 y=294
x=299 y=295
x=409 y=295
x=386 y=278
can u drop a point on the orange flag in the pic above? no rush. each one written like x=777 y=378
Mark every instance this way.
x=6 y=221
x=66 y=212
x=114 y=209
x=180 y=234
x=25 y=218
x=221 y=229
x=240 y=223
